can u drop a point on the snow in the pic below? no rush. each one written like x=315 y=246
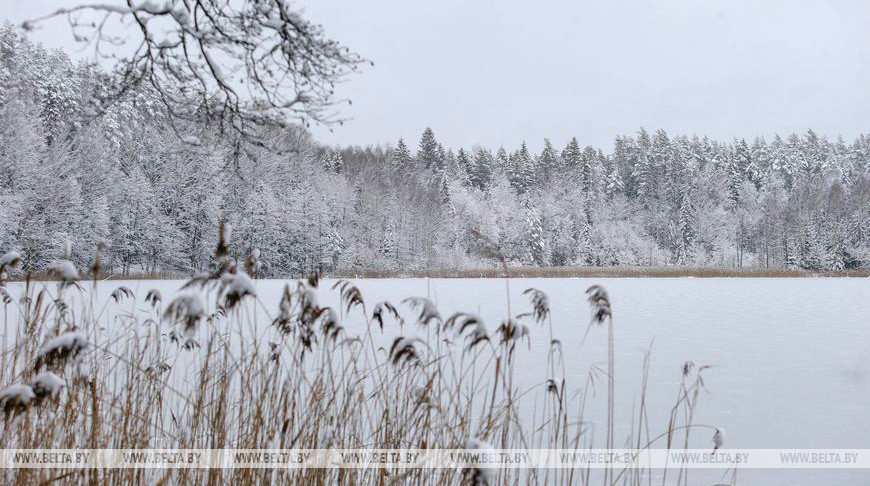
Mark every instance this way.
x=276 y=24
x=576 y=206
x=483 y=474
x=471 y=325
x=46 y=384
x=227 y=233
x=428 y=312
x=153 y=297
x=180 y=14
x=239 y=285
x=152 y=6
x=406 y=343
x=65 y=270
x=512 y=330
x=772 y=343
x=60 y=347
x=121 y=293
x=188 y=307
x=242 y=285
x=309 y=296
x=14 y=396
x=718 y=438
x=9 y=258
x=217 y=72
x=404 y=349
x=378 y=313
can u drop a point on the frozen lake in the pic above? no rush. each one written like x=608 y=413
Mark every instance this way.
x=790 y=357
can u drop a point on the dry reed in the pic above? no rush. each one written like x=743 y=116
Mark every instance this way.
x=205 y=372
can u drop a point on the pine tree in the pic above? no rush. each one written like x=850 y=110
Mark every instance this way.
x=661 y=151
x=388 y=242
x=810 y=255
x=571 y=156
x=613 y=183
x=430 y=154
x=586 y=173
x=521 y=170
x=797 y=166
x=585 y=254
x=623 y=150
x=815 y=160
x=337 y=162
x=548 y=162
x=759 y=166
x=481 y=173
x=332 y=162
x=734 y=180
x=643 y=170
x=780 y=167
x=502 y=161
x=677 y=175
x=687 y=233
x=129 y=178
x=400 y=159
x=540 y=254
x=463 y=167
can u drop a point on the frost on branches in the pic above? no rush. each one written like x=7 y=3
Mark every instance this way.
x=129 y=183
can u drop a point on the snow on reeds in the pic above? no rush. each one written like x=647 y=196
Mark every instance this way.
x=9 y=259
x=46 y=384
x=65 y=270
x=16 y=398
x=428 y=313
x=121 y=293
x=202 y=371
x=481 y=475
x=469 y=325
x=56 y=351
x=153 y=297
x=718 y=438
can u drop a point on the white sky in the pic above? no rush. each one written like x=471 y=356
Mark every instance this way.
x=503 y=71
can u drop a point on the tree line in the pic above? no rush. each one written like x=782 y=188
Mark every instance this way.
x=151 y=193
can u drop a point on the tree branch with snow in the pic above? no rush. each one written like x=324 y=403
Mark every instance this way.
x=238 y=64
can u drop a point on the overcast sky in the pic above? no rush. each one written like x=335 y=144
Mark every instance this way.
x=503 y=71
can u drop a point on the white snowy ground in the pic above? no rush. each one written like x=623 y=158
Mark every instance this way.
x=790 y=357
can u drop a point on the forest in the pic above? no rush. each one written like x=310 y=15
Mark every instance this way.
x=78 y=173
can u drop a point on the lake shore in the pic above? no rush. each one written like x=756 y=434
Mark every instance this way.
x=530 y=272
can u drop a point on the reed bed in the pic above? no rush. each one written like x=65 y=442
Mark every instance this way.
x=205 y=369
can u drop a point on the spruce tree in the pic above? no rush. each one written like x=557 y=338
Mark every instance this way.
x=482 y=169
x=687 y=232
x=586 y=172
x=430 y=153
x=463 y=167
x=571 y=156
x=400 y=159
x=524 y=169
x=643 y=170
x=548 y=162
